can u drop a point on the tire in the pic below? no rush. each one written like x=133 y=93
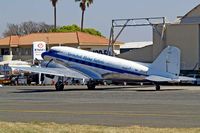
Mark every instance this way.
x=59 y=86
x=157 y=87
x=91 y=85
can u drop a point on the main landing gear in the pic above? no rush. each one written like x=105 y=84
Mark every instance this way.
x=59 y=84
x=91 y=84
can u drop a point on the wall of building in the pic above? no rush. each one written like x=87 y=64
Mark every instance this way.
x=102 y=49
x=159 y=40
x=144 y=54
x=185 y=37
x=23 y=53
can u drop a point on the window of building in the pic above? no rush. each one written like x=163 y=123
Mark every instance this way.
x=5 y=51
x=15 y=51
x=88 y=49
x=26 y=51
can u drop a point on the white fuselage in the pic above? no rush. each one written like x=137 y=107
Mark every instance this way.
x=97 y=66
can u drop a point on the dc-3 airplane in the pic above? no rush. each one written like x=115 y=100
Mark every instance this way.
x=94 y=67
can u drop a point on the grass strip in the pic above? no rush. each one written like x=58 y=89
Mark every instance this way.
x=36 y=127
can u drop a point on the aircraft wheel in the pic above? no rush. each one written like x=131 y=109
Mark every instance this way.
x=91 y=85
x=157 y=87
x=59 y=86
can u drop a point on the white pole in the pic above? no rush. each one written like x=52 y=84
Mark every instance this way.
x=39 y=75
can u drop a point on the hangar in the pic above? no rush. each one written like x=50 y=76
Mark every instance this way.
x=184 y=33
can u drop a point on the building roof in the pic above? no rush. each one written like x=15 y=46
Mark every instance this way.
x=79 y=38
x=85 y=39
x=12 y=40
x=50 y=38
x=191 y=17
x=134 y=45
x=192 y=13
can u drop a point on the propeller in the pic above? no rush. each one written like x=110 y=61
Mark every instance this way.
x=48 y=75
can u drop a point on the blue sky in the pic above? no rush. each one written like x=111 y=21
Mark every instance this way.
x=98 y=16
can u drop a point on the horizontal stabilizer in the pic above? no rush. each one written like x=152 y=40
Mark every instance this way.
x=156 y=78
x=184 y=78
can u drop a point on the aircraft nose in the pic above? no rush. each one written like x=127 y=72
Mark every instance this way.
x=49 y=53
x=44 y=54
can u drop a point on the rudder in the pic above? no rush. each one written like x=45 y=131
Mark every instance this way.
x=167 y=64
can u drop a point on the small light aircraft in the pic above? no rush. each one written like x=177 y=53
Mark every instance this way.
x=94 y=67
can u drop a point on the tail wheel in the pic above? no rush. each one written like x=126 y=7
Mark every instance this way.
x=157 y=87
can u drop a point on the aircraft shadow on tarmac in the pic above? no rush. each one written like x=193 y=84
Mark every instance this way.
x=159 y=90
x=34 y=90
x=115 y=88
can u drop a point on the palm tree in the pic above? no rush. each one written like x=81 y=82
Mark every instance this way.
x=83 y=5
x=54 y=2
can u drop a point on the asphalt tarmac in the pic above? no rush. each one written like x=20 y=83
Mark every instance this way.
x=173 y=106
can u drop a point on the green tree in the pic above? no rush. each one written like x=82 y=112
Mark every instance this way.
x=68 y=28
x=92 y=31
x=54 y=2
x=83 y=5
x=75 y=28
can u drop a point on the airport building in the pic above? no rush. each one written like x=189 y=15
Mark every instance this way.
x=21 y=47
x=184 y=33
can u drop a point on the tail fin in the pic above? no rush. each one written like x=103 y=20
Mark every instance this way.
x=167 y=64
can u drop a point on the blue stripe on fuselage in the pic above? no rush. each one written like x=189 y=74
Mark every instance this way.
x=86 y=71
x=55 y=54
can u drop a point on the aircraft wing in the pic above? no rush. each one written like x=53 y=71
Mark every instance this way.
x=65 y=72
